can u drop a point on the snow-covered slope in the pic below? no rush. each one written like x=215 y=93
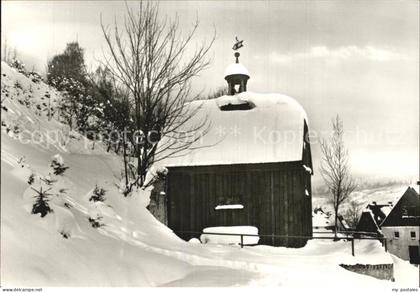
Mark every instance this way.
x=131 y=248
x=29 y=113
x=368 y=194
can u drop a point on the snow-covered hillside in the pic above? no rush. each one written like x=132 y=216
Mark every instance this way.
x=30 y=114
x=130 y=247
x=367 y=194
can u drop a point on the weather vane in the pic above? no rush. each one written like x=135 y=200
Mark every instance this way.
x=238 y=44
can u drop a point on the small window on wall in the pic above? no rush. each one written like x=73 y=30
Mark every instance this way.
x=396 y=234
x=413 y=235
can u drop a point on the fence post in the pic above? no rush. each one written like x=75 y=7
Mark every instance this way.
x=352 y=246
x=242 y=241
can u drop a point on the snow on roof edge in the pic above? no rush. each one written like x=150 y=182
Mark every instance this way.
x=273 y=113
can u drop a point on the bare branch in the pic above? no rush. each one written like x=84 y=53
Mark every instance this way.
x=153 y=60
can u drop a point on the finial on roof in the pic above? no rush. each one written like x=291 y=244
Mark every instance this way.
x=237 y=57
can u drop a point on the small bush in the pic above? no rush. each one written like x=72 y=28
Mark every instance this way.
x=96 y=223
x=58 y=166
x=48 y=181
x=66 y=235
x=98 y=195
x=17 y=85
x=18 y=65
x=31 y=179
x=41 y=205
x=35 y=77
x=16 y=129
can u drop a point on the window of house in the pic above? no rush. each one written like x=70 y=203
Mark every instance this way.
x=413 y=235
x=396 y=234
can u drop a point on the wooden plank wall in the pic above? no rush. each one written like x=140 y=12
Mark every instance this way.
x=273 y=196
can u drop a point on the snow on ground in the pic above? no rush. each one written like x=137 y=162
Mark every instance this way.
x=132 y=248
x=406 y=273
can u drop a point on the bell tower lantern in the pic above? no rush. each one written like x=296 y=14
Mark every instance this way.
x=236 y=74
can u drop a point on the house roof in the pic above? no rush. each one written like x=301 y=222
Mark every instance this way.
x=406 y=211
x=270 y=130
x=236 y=68
x=367 y=223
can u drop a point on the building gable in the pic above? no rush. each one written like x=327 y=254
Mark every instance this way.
x=367 y=223
x=406 y=212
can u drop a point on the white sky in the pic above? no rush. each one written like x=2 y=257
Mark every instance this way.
x=356 y=58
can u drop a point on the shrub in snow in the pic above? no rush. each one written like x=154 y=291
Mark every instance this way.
x=62 y=191
x=65 y=234
x=21 y=161
x=41 y=205
x=126 y=192
x=35 y=77
x=31 y=179
x=98 y=195
x=96 y=222
x=48 y=180
x=18 y=65
x=17 y=85
x=58 y=165
x=26 y=101
x=16 y=129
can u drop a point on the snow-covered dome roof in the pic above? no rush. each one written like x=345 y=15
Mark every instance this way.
x=270 y=130
x=236 y=68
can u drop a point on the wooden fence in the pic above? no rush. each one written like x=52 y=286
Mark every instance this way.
x=349 y=236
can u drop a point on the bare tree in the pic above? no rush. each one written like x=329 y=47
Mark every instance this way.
x=335 y=169
x=153 y=60
x=352 y=213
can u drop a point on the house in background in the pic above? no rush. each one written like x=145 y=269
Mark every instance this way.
x=320 y=219
x=252 y=168
x=401 y=227
x=324 y=221
x=380 y=211
x=372 y=217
